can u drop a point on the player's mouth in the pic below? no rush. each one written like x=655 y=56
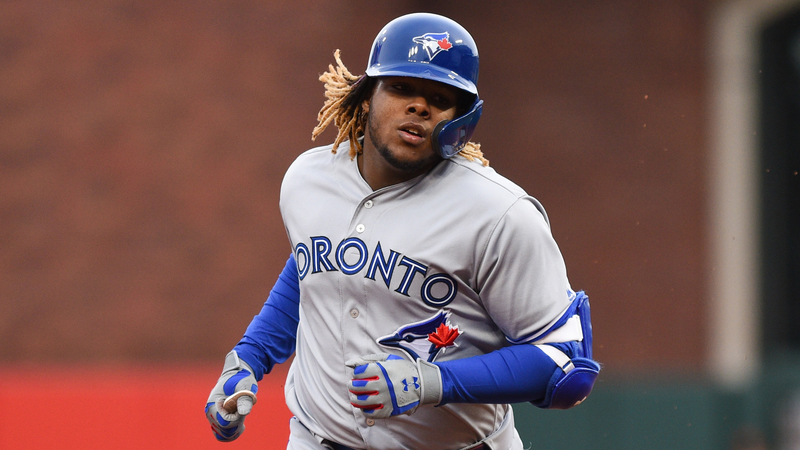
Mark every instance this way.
x=413 y=133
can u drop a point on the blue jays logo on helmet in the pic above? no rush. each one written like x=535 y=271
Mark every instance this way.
x=424 y=339
x=450 y=55
x=434 y=43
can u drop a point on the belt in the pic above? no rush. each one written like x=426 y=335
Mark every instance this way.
x=335 y=446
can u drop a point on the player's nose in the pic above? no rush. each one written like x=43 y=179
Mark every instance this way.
x=418 y=105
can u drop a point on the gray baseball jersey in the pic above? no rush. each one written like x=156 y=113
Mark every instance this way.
x=460 y=247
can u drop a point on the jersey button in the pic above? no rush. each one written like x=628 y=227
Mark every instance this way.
x=370 y=422
x=368 y=204
x=360 y=228
x=353 y=313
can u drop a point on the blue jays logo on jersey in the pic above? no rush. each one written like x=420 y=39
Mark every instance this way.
x=424 y=339
x=434 y=43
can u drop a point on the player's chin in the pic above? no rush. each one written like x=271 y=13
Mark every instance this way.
x=411 y=159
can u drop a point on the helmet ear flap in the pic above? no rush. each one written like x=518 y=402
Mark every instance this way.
x=437 y=130
x=449 y=137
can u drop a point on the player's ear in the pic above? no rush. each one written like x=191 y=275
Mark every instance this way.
x=365 y=106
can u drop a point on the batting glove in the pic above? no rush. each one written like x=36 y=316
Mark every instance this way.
x=231 y=399
x=386 y=385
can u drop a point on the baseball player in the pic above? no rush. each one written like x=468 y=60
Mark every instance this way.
x=425 y=292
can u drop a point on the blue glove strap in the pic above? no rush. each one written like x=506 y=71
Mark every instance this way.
x=271 y=337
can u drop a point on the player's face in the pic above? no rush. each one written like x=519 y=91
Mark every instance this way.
x=403 y=112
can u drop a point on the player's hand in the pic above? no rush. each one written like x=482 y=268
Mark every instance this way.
x=386 y=385
x=231 y=399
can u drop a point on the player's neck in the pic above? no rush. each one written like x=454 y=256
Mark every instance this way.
x=379 y=174
x=373 y=175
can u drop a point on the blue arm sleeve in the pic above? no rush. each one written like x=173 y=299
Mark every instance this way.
x=515 y=374
x=271 y=337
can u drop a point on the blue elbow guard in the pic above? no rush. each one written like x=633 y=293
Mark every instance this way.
x=570 y=388
x=574 y=378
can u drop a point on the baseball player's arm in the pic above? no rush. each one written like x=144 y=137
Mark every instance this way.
x=520 y=373
x=547 y=373
x=269 y=339
x=554 y=371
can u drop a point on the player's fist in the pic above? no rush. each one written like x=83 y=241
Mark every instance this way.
x=386 y=385
x=231 y=399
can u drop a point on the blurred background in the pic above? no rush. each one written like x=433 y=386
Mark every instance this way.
x=142 y=146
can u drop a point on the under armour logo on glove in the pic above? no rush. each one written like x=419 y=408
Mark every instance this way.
x=385 y=385
x=405 y=384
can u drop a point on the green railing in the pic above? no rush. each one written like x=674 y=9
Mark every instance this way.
x=672 y=414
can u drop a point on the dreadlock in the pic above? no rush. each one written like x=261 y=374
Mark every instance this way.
x=345 y=95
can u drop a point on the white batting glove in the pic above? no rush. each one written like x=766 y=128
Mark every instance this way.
x=231 y=399
x=386 y=385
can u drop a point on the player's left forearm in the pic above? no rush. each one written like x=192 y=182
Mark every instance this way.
x=550 y=375
x=520 y=373
x=517 y=374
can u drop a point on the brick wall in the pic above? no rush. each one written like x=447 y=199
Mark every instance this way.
x=142 y=146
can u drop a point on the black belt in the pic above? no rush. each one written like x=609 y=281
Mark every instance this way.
x=335 y=446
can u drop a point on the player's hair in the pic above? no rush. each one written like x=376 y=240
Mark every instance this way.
x=345 y=95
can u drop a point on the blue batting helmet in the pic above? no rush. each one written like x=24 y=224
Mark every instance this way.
x=433 y=47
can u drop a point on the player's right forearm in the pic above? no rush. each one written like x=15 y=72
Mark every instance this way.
x=271 y=337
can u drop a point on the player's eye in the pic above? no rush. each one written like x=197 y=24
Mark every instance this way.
x=443 y=101
x=400 y=87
